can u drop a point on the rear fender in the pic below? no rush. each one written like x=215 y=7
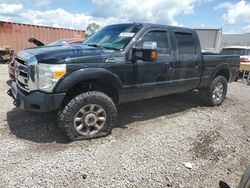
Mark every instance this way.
x=218 y=68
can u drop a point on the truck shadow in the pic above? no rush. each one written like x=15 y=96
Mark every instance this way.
x=42 y=128
x=153 y=108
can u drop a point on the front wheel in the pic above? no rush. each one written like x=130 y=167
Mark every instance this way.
x=215 y=93
x=88 y=115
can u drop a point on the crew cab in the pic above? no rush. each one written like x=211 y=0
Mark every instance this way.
x=119 y=64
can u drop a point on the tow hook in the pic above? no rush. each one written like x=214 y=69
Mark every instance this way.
x=16 y=102
x=9 y=92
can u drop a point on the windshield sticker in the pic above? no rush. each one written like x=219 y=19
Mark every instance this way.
x=126 y=34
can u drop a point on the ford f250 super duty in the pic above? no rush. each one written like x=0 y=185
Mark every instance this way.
x=120 y=63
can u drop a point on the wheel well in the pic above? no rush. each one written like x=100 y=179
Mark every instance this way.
x=223 y=72
x=101 y=85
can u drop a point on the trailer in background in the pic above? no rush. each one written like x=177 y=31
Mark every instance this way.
x=15 y=36
x=245 y=69
x=210 y=39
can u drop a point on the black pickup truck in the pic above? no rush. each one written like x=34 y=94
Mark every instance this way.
x=120 y=63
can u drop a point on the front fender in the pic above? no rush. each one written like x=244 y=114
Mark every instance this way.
x=64 y=85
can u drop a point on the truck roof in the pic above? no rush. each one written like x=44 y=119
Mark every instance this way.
x=147 y=25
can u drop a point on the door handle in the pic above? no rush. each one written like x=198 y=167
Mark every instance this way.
x=170 y=65
x=196 y=65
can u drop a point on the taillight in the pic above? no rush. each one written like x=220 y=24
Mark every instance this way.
x=244 y=60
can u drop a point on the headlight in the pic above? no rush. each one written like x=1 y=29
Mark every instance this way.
x=48 y=76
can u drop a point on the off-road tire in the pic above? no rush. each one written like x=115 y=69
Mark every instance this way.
x=67 y=115
x=207 y=92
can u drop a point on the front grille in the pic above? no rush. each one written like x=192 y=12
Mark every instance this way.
x=21 y=74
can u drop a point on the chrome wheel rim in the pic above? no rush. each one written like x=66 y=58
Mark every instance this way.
x=218 y=92
x=89 y=120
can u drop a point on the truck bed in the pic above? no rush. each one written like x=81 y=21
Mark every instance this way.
x=212 y=62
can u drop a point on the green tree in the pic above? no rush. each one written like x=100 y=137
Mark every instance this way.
x=91 y=29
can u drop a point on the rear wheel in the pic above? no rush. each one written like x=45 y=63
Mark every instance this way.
x=214 y=94
x=88 y=115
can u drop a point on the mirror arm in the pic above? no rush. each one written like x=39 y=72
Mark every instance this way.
x=134 y=56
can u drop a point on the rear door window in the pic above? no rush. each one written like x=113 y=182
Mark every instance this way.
x=185 y=43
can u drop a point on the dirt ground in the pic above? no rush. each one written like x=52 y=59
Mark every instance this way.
x=149 y=147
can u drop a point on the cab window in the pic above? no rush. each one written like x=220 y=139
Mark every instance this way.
x=160 y=37
x=185 y=43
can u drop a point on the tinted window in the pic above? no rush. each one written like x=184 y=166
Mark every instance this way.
x=160 y=37
x=235 y=51
x=185 y=43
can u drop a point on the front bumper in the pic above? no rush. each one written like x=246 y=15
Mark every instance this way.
x=36 y=101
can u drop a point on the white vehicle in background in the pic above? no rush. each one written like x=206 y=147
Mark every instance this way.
x=242 y=51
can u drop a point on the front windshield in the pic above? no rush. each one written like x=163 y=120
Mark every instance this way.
x=114 y=37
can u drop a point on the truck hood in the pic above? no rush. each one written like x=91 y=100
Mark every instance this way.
x=71 y=54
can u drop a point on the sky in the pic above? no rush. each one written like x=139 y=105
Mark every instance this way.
x=232 y=16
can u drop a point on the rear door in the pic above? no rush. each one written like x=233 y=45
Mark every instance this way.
x=188 y=58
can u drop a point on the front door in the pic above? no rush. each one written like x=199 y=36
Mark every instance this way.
x=154 y=78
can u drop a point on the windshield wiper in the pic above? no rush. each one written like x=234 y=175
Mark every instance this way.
x=96 y=45
x=102 y=47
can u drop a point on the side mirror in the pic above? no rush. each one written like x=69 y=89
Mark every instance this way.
x=148 y=52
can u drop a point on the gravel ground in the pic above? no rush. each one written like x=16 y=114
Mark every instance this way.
x=152 y=142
